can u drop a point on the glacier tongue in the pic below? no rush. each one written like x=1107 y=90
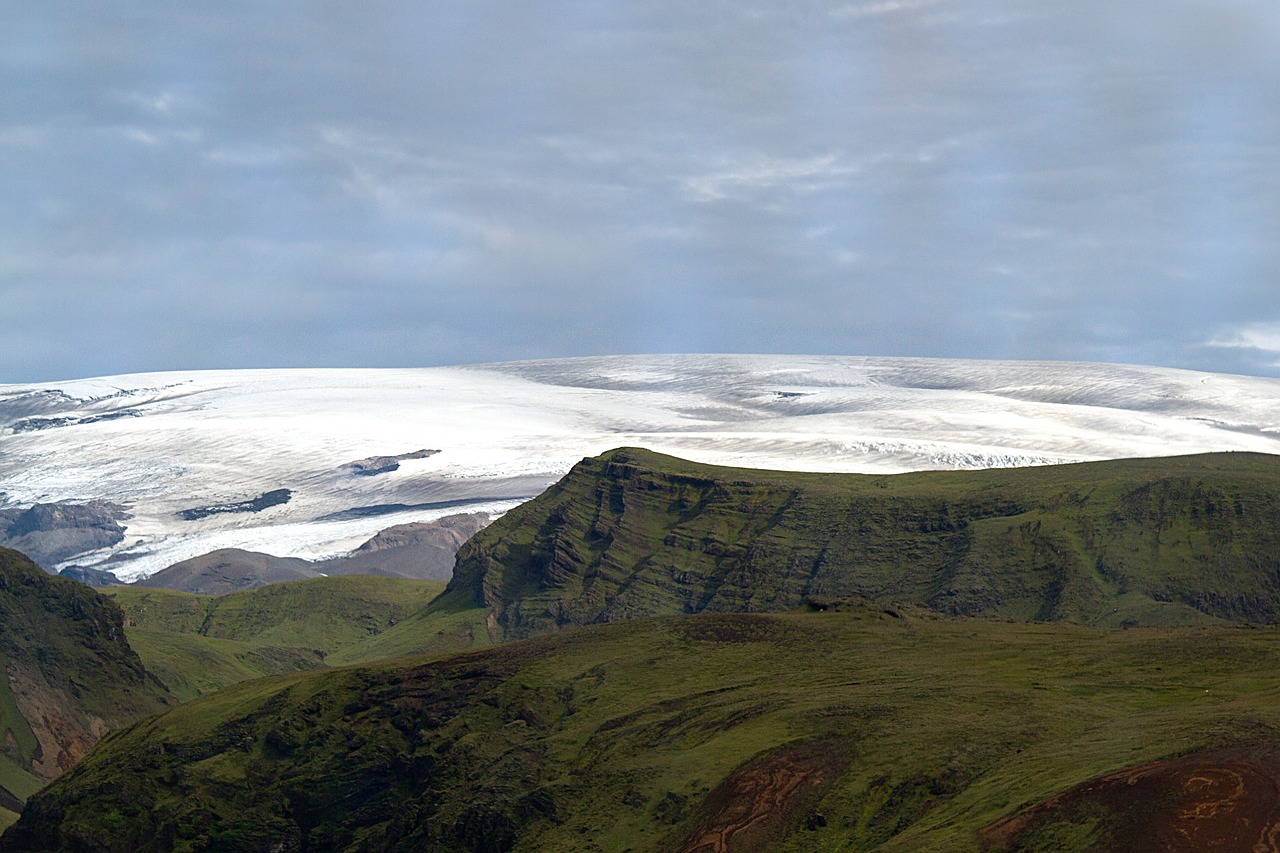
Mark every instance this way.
x=166 y=443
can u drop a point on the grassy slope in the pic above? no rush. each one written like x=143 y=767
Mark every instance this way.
x=199 y=644
x=20 y=785
x=1185 y=541
x=69 y=639
x=1177 y=541
x=66 y=676
x=434 y=629
x=611 y=738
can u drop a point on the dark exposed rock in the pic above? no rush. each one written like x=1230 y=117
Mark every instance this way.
x=90 y=577
x=1215 y=799
x=421 y=551
x=35 y=424
x=276 y=497
x=373 y=465
x=388 y=509
x=51 y=533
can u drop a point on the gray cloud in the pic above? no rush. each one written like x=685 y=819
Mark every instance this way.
x=399 y=183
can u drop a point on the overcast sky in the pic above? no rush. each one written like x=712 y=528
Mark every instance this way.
x=259 y=184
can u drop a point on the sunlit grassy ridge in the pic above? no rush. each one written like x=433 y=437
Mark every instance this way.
x=196 y=644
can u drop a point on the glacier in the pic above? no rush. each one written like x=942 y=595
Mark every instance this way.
x=164 y=443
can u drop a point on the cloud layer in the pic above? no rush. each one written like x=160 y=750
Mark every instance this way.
x=399 y=183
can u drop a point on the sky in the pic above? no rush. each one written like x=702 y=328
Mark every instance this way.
x=407 y=183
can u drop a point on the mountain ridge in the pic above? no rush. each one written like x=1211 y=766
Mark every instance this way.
x=418 y=551
x=899 y=695
x=1169 y=540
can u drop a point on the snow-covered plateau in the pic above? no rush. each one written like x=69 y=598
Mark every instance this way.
x=169 y=446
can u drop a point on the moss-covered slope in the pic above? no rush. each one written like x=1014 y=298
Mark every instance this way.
x=197 y=644
x=67 y=675
x=849 y=729
x=1182 y=540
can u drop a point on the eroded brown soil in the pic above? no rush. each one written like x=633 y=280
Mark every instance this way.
x=63 y=738
x=752 y=808
x=1222 y=800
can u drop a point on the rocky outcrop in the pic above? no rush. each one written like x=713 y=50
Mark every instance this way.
x=53 y=532
x=373 y=465
x=34 y=424
x=96 y=578
x=266 y=500
x=448 y=532
x=420 y=551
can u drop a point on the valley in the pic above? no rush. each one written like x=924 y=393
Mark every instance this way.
x=197 y=644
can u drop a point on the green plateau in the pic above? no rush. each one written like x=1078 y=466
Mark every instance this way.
x=1175 y=541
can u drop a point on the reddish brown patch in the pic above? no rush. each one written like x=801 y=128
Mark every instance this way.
x=1225 y=800
x=62 y=738
x=751 y=809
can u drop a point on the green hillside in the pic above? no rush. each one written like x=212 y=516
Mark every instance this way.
x=197 y=644
x=437 y=628
x=1071 y=657
x=1171 y=541
x=67 y=676
x=855 y=728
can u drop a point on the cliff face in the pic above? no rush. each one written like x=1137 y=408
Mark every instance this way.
x=69 y=675
x=1181 y=540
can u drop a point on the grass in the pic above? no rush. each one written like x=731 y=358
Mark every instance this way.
x=615 y=737
x=439 y=629
x=1162 y=542
x=321 y=613
x=1111 y=595
x=198 y=644
x=17 y=781
x=66 y=674
x=12 y=723
x=190 y=665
